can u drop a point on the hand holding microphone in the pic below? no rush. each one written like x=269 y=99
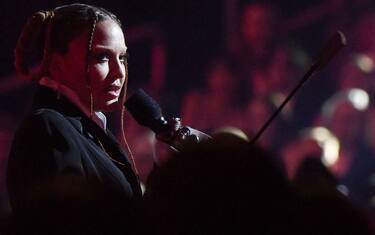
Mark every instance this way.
x=147 y=112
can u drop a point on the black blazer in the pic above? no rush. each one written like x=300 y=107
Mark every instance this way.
x=61 y=170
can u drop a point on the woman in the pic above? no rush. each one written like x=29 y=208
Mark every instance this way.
x=66 y=171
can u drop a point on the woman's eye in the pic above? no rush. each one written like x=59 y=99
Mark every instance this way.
x=100 y=58
x=123 y=58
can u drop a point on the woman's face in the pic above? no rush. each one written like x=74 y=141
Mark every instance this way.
x=106 y=63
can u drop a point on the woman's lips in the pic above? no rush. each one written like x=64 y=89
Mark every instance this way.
x=114 y=90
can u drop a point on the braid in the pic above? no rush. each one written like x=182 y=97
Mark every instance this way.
x=122 y=118
x=91 y=37
x=89 y=49
x=125 y=142
x=47 y=45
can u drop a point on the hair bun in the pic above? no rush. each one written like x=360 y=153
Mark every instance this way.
x=30 y=45
x=44 y=15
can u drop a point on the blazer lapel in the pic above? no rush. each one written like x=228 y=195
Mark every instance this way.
x=114 y=150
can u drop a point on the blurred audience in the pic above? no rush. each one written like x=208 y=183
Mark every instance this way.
x=215 y=105
x=344 y=115
x=339 y=144
x=261 y=56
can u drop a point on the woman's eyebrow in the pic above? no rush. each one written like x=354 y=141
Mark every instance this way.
x=102 y=47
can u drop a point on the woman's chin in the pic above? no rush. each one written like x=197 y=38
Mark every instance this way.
x=109 y=106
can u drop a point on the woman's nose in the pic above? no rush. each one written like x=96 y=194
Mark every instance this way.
x=118 y=69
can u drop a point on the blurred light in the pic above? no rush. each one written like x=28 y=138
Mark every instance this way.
x=331 y=151
x=343 y=189
x=320 y=133
x=329 y=144
x=277 y=99
x=359 y=98
x=232 y=131
x=364 y=63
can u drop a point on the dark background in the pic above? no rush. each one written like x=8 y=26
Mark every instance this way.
x=193 y=31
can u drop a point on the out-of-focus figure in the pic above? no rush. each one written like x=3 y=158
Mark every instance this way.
x=263 y=57
x=215 y=105
x=339 y=144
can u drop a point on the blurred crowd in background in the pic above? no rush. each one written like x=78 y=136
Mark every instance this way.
x=261 y=57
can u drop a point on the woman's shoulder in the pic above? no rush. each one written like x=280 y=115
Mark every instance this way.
x=42 y=131
x=45 y=121
x=45 y=116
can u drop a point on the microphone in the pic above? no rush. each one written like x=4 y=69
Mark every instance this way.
x=147 y=112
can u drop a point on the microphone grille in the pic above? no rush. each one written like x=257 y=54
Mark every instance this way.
x=143 y=108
